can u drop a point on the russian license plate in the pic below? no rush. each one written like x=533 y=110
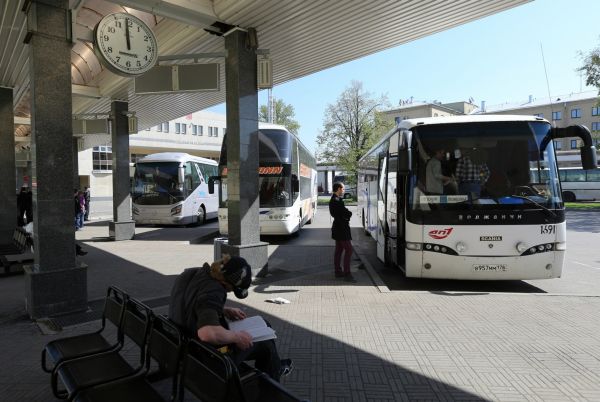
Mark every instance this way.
x=490 y=268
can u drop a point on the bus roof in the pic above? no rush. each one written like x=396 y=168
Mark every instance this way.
x=427 y=121
x=270 y=126
x=175 y=157
x=410 y=123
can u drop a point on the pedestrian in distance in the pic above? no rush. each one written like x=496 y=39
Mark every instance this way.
x=24 y=206
x=87 y=197
x=340 y=232
x=79 y=204
x=197 y=305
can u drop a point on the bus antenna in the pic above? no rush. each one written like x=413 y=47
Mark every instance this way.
x=547 y=81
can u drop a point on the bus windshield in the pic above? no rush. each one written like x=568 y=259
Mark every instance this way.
x=275 y=191
x=483 y=167
x=157 y=183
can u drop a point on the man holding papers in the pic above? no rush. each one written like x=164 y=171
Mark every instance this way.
x=198 y=305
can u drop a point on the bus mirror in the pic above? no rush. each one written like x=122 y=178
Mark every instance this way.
x=404 y=162
x=589 y=159
x=211 y=183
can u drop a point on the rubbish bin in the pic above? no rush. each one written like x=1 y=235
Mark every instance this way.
x=218 y=242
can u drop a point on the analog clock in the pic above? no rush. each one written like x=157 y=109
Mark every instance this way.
x=125 y=44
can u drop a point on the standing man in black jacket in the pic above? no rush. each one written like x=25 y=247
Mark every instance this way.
x=340 y=232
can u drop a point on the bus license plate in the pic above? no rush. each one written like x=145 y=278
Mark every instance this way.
x=490 y=268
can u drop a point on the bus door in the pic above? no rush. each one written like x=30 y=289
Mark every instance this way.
x=391 y=220
x=381 y=207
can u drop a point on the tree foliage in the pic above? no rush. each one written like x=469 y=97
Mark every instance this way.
x=284 y=115
x=352 y=125
x=591 y=68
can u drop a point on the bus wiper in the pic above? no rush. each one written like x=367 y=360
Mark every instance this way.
x=535 y=203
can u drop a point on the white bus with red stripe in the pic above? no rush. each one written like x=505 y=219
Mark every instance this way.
x=287 y=182
x=509 y=226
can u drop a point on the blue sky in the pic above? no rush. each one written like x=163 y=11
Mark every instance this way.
x=496 y=59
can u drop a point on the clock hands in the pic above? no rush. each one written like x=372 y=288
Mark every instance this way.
x=127 y=33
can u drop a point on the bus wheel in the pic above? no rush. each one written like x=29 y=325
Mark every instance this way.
x=201 y=217
x=568 y=196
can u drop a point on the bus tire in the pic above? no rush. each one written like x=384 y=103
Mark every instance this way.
x=201 y=216
x=569 y=196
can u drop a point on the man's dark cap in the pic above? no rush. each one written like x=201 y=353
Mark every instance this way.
x=238 y=274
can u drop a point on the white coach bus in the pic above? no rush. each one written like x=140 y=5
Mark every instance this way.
x=172 y=188
x=287 y=182
x=579 y=185
x=486 y=217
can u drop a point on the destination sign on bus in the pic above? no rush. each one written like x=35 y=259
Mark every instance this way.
x=262 y=170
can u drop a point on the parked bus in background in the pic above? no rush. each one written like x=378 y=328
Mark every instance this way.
x=488 y=218
x=287 y=182
x=579 y=185
x=172 y=188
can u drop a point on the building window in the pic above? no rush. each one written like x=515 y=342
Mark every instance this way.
x=216 y=132
x=194 y=129
x=573 y=144
x=200 y=130
x=596 y=111
x=165 y=127
x=102 y=158
x=210 y=131
x=557 y=145
x=183 y=128
x=575 y=113
x=556 y=115
x=177 y=128
x=595 y=126
x=159 y=128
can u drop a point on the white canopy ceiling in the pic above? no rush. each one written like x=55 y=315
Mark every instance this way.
x=303 y=37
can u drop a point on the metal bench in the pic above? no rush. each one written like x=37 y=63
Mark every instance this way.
x=164 y=347
x=91 y=370
x=17 y=252
x=72 y=347
x=212 y=376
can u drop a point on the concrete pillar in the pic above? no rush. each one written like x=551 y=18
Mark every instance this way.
x=76 y=163
x=122 y=227
x=8 y=199
x=55 y=283
x=242 y=154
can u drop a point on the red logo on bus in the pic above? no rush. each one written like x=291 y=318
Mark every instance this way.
x=440 y=234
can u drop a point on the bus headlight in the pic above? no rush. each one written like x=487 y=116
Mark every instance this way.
x=176 y=210
x=461 y=247
x=522 y=247
x=413 y=246
x=560 y=246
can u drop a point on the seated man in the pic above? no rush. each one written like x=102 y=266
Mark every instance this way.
x=198 y=305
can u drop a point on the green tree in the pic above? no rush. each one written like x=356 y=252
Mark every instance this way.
x=591 y=68
x=352 y=125
x=284 y=115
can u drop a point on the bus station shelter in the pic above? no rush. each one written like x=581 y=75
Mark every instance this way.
x=51 y=79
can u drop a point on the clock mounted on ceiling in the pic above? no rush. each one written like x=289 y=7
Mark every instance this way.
x=125 y=44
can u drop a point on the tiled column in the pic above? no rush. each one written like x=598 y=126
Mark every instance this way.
x=55 y=283
x=122 y=227
x=242 y=154
x=8 y=199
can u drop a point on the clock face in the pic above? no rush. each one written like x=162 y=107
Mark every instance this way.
x=125 y=44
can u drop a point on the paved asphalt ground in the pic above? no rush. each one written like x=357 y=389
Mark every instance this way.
x=380 y=339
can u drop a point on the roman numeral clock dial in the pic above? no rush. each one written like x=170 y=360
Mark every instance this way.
x=125 y=44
